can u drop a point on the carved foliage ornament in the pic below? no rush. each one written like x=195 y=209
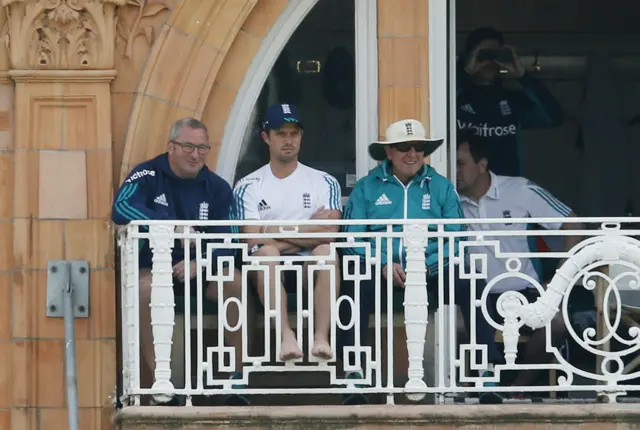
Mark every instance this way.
x=131 y=22
x=61 y=34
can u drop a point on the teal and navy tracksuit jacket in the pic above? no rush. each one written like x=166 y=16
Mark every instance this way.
x=380 y=195
x=500 y=114
x=153 y=192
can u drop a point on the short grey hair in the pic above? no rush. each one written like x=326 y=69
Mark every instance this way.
x=189 y=122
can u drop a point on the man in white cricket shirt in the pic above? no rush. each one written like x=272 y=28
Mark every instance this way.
x=286 y=189
x=486 y=195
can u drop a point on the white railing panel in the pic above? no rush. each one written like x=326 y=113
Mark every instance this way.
x=459 y=365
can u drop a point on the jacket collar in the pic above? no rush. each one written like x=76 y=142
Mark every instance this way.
x=384 y=172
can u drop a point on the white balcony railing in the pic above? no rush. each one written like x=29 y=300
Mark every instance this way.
x=605 y=263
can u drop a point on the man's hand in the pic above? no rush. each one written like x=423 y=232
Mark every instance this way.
x=515 y=68
x=178 y=270
x=398 y=275
x=321 y=213
x=472 y=66
x=184 y=229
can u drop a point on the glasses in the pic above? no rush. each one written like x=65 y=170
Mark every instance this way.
x=189 y=147
x=406 y=146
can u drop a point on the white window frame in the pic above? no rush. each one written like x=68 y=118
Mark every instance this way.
x=366 y=48
x=453 y=87
x=441 y=78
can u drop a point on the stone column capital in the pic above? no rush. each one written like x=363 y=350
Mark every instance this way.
x=61 y=34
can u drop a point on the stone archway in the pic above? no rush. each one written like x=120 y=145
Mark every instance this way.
x=197 y=64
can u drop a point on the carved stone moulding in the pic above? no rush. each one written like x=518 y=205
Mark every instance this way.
x=61 y=34
x=58 y=76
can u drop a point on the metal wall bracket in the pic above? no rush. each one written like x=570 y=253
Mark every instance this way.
x=64 y=274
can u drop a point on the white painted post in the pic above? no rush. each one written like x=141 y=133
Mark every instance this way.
x=416 y=303
x=130 y=366
x=162 y=308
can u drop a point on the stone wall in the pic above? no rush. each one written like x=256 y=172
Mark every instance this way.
x=381 y=417
x=88 y=89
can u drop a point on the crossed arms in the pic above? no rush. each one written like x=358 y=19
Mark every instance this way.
x=291 y=245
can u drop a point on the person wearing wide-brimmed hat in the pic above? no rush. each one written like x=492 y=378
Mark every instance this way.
x=402 y=136
x=403 y=186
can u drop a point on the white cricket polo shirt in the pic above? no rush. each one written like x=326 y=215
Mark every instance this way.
x=262 y=196
x=511 y=197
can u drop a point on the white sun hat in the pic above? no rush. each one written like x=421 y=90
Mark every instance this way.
x=407 y=130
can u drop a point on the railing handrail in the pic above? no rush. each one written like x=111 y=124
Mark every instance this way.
x=412 y=221
x=387 y=234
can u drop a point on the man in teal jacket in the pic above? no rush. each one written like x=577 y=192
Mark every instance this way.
x=388 y=192
x=404 y=187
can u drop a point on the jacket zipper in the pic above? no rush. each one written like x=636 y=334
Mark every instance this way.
x=405 y=216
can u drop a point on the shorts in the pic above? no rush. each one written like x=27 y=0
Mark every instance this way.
x=179 y=287
x=145 y=263
x=289 y=284
x=289 y=277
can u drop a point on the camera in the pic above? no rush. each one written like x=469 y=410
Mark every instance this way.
x=500 y=55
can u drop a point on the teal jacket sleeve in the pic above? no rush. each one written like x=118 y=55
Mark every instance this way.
x=356 y=209
x=131 y=200
x=451 y=209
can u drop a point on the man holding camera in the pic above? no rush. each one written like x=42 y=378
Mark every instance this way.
x=497 y=113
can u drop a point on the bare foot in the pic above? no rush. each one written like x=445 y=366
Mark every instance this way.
x=322 y=349
x=289 y=349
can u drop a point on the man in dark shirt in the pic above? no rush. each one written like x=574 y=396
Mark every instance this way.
x=495 y=112
x=177 y=185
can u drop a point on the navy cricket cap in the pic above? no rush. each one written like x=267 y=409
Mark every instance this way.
x=279 y=115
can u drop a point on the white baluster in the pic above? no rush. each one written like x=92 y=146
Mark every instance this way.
x=416 y=304
x=162 y=308
x=129 y=368
x=508 y=306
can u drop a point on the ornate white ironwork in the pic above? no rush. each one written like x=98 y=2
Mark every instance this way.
x=584 y=258
x=584 y=267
